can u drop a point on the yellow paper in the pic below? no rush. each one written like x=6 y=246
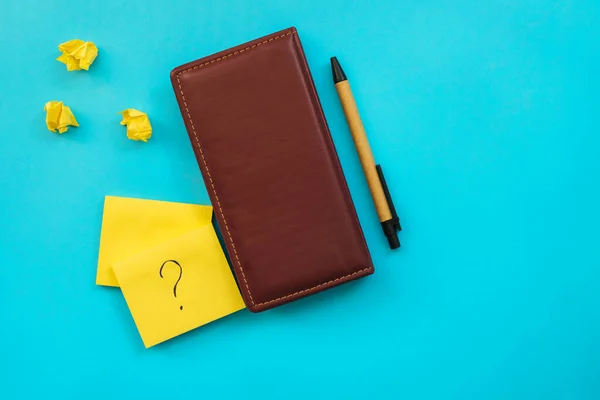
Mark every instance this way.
x=59 y=116
x=132 y=225
x=138 y=124
x=77 y=54
x=178 y=286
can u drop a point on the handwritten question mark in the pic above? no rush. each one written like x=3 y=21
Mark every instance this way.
x=180 y=273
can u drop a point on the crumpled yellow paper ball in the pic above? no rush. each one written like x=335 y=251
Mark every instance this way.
x=138 y=124
x=59 y=117
x=77 y=54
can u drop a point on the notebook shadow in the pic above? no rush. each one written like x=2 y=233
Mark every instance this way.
x=222 y=243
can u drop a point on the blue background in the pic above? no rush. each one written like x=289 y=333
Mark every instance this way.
x=484 y=115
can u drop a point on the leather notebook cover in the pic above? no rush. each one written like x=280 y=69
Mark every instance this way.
x=271 y=170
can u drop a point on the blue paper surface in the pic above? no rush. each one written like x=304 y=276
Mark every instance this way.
x=484 y=116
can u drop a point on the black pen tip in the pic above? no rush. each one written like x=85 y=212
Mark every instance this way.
x=338 y=72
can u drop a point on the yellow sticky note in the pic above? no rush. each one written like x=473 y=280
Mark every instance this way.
x=138 y=124
x=132 y=225
x=77 y=54
x=59 y=117
x=179 y=285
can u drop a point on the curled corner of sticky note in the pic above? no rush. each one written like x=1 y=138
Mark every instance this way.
x=77 y=54
x=138 y=124
x=59 y=117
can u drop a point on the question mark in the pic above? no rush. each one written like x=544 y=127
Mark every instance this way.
x=180 y=273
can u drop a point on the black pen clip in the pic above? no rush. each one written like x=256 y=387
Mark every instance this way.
x=391 y=226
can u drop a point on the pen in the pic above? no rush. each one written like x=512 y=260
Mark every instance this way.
x=384 y=205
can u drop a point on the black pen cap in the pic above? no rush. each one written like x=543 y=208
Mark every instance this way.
x=337 y=71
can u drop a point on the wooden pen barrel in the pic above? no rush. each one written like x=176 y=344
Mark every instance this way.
x=364 y=150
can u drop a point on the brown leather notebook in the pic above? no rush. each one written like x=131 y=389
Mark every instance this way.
x=271 y=170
